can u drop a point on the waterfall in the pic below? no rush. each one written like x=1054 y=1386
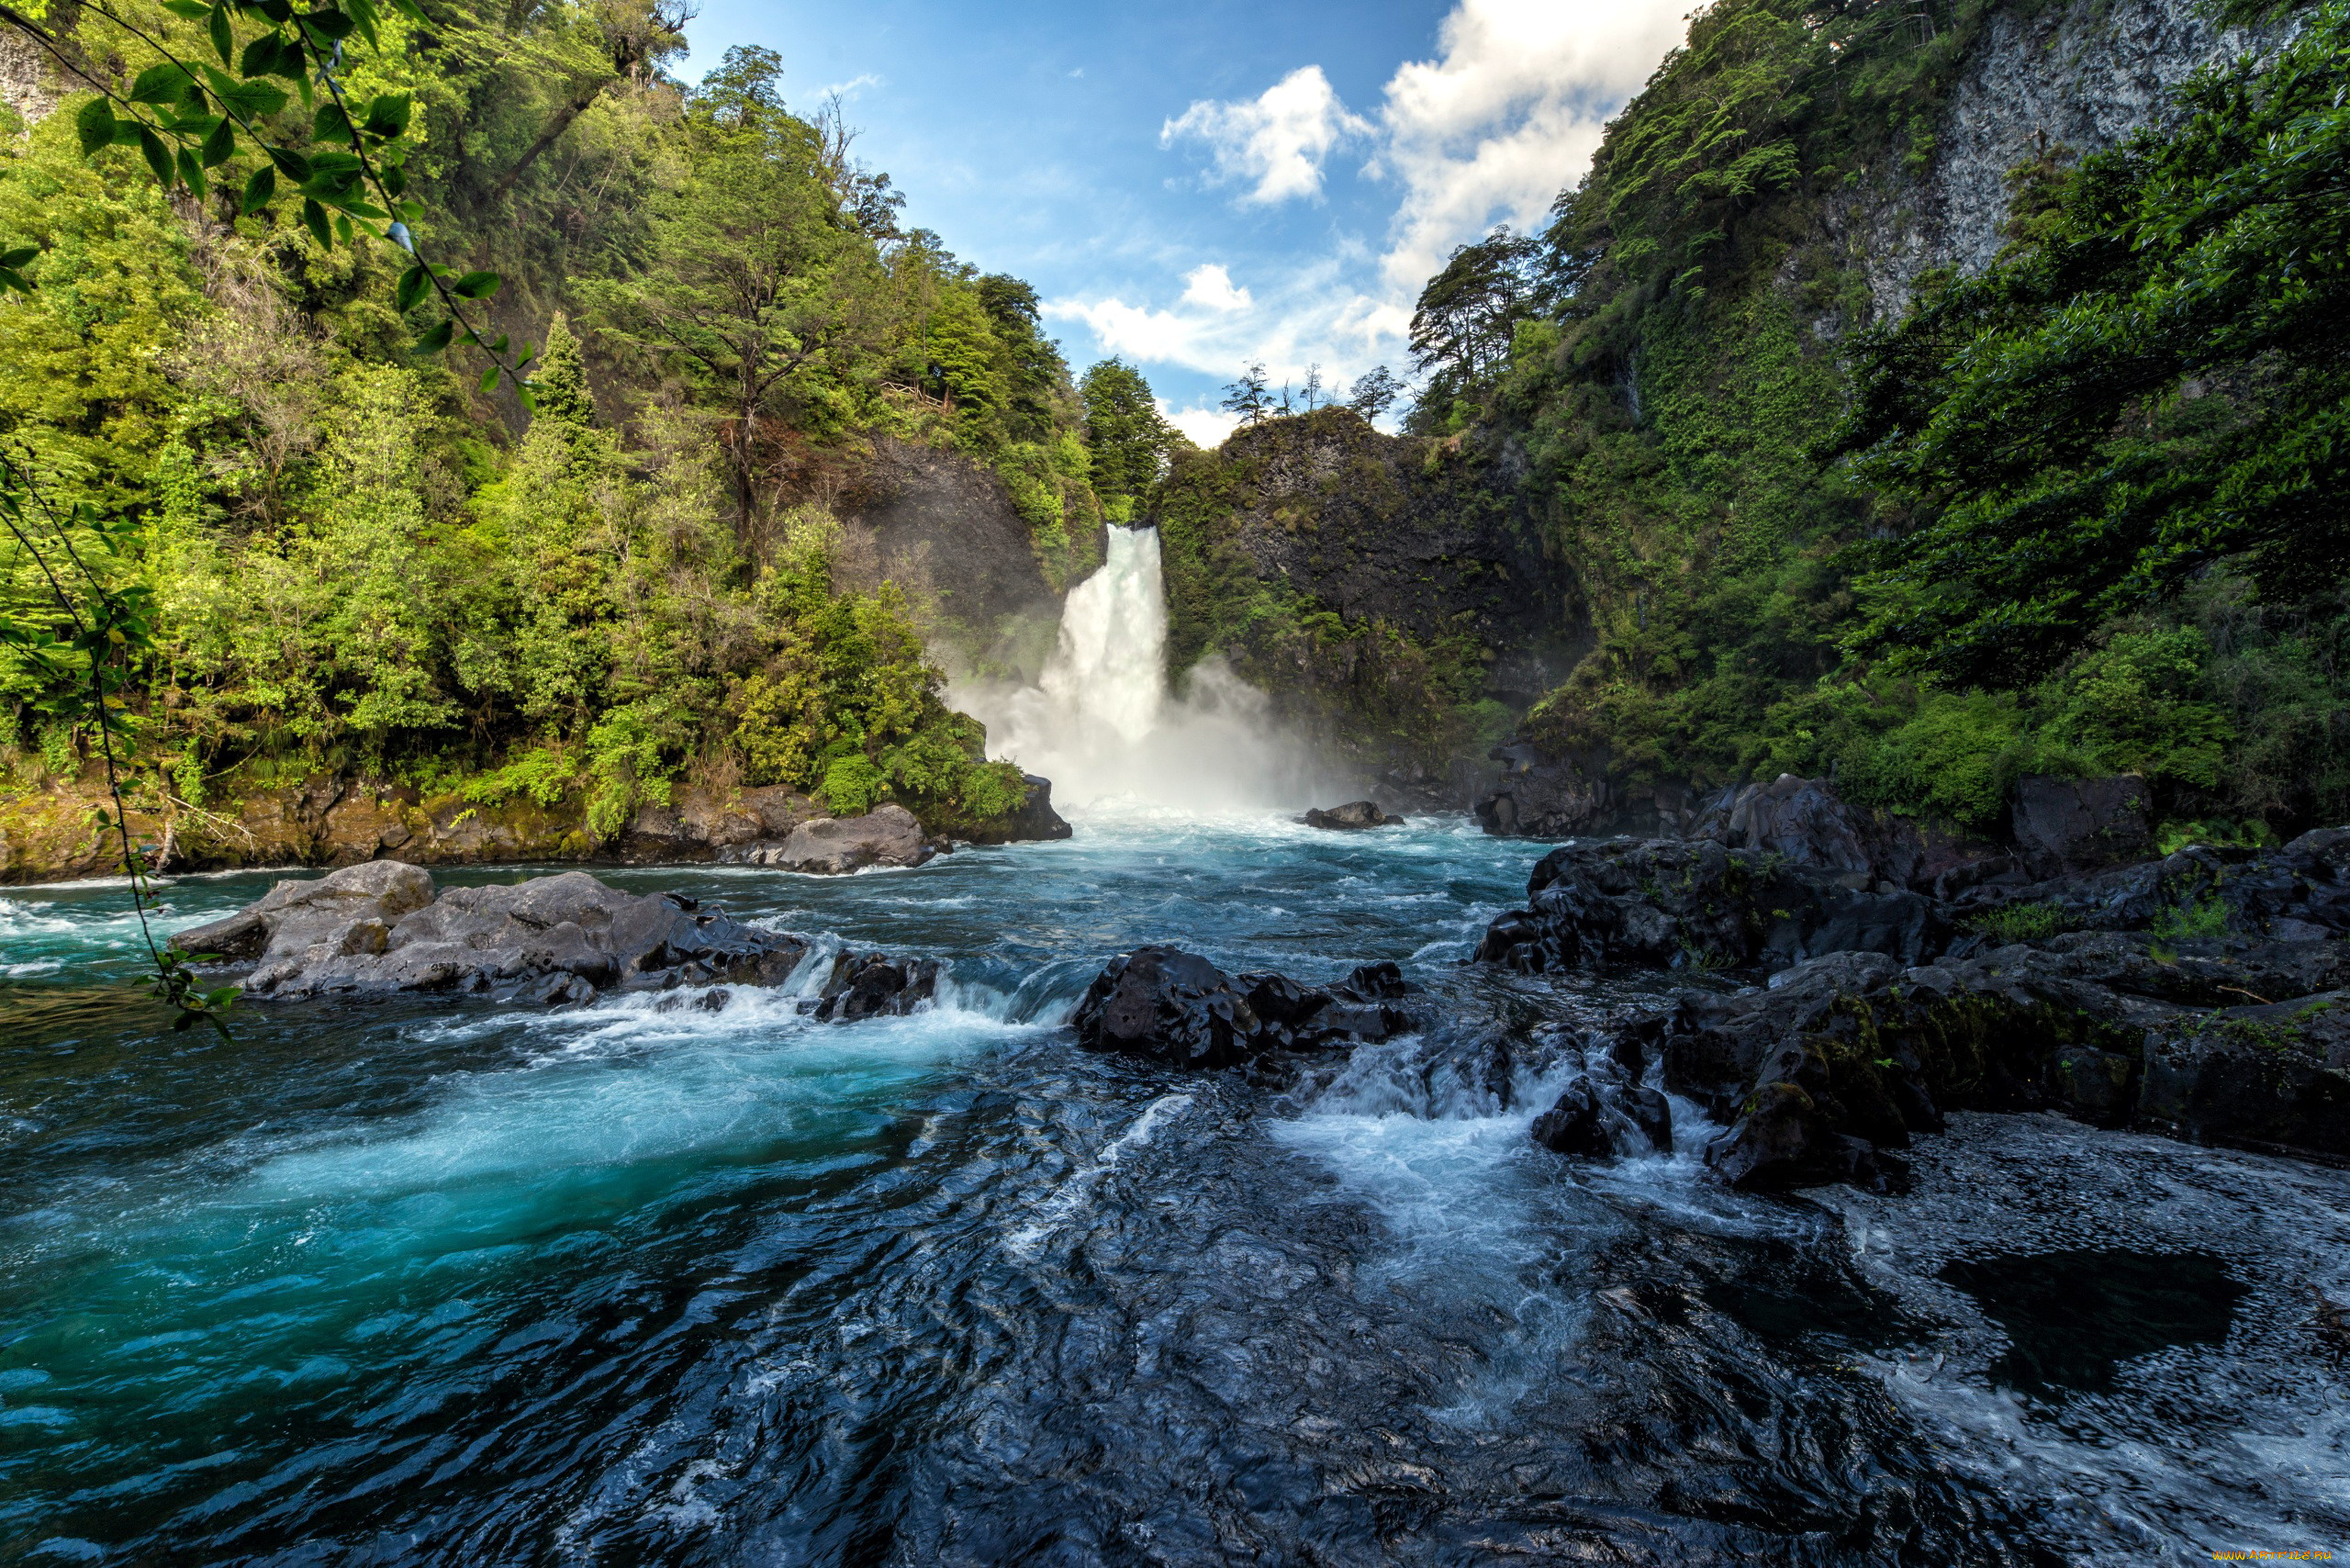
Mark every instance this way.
x=1102 y=725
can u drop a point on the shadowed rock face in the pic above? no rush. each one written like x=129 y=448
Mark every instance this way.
x=833 y=846
x=378 y=929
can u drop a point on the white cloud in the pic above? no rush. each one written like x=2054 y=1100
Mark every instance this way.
x=850 y=89
x=1205 y=426
x=1506 y=115
x=1210 y=287
x=1276 y=143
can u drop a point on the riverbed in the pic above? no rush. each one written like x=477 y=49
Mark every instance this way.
x=690 y=1278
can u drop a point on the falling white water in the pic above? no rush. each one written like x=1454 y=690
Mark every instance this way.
x=1102 y=724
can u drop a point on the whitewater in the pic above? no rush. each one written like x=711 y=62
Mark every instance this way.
x=693 y=1279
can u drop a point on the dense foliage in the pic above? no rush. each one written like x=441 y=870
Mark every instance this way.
x=2094 y=524
x=360 y=563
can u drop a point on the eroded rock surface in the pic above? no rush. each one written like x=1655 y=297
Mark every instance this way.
x=834 y=846
x=1176 y=1007
x=378 y=929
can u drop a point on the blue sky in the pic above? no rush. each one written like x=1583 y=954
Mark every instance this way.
x=1195 y=185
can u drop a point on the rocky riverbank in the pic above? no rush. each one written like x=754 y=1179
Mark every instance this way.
x=2200 y=995
x=56 y=833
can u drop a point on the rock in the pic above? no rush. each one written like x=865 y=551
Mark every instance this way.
x=1802 y=820
x=874 y=985
x=2274 y=1077
x=1598 y=1118
x=378 y=929
x=1172 y=1006
x=2075 y=825
x=1034 y=822
x=1669 y=903
x=1545 y=797
x=1354 y=814
x=834 y=846
x=1782 y=1141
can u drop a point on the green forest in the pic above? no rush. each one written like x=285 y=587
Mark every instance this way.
x=2082 y=514
x=604 y=564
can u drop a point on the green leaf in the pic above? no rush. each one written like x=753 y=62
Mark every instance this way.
x=219 y=145
x=336 y=163
x=489 y=381
x=159 y=157
x=332 y=124
x=260 y=188
x=362 y=14
x=194 y=10
x=94 y=123
x=412 y=11
x=437 y=339
x=530 y=400
x=477 y=286
x=224 y=36
x=191 y=173
x=314 y=218
x=328 y=25
x=20 y=256
x=290 y=164
x=267 y=56
x=253 y=100
x=277 y=11
x=342 y=230
x=411 y=286
x=387 y=115
x=11 y=279
x=159 y=85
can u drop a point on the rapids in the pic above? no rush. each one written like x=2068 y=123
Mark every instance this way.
x=449 y=1282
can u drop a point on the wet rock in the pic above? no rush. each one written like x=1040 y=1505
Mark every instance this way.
x=1802 y=820
x=1353 y=815
x=1034 y=822
x=833 y=846
x=2074 y=824
x=1667 y=904
x=1782 y=1141
x=1176 y=1007
x=874 y=985
x=378 y=929
x=1542 y=796
x=1597 y=1118
x=2274 y=1077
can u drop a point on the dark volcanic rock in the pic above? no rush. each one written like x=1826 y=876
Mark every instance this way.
x=874 y=985
x=377 y=928
x=1354 y=814
x=1544 y=797
x=1667 y=904
x=2074 y=824
x=1035 y=821
x=1176 y=1007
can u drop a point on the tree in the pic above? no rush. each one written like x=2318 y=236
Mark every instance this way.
x=2159 y=384
x=1462 y=329
x=1311 y=393
x=1247 y=396
x=746 y=283
x=1375 y=393
x=1128 y=438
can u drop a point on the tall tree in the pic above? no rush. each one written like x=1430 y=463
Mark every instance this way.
x=1461 y=331
x=1128 y=439
x=1247 y=396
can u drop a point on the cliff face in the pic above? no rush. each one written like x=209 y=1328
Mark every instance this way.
x=1392 y=593
x=2063 y=79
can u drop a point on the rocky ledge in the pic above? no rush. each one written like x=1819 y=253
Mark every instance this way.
x=1351 y=817
x=1168 y=1006
x=2200 y=995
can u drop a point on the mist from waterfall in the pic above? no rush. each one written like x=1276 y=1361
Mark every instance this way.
x=1102 y=725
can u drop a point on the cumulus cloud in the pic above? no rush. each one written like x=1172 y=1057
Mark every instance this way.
x=1205 y=426
x=1210 y=287
x=1274 y=143
x=1507 y=114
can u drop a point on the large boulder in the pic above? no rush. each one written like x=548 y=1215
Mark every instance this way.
x=1544 y=796
x=1351 y=817
x=1668 y=903
x=1034 y=822
x=2078 y=824
x=1175 y=1007
x=376 y=929
x=874 y=985
x=834 y=846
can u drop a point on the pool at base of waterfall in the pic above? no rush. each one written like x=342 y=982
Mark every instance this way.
x=440 y=1280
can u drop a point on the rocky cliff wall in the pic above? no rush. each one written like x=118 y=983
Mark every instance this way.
x=2038 y=78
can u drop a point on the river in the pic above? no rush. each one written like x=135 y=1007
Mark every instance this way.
x=643 y=1282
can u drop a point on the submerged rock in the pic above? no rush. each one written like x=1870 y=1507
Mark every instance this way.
x=1172 y=1006
x=834 y=846
x=378 y=929
x=1354 y=815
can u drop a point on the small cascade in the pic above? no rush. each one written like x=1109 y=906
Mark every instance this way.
x=1102 y=724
